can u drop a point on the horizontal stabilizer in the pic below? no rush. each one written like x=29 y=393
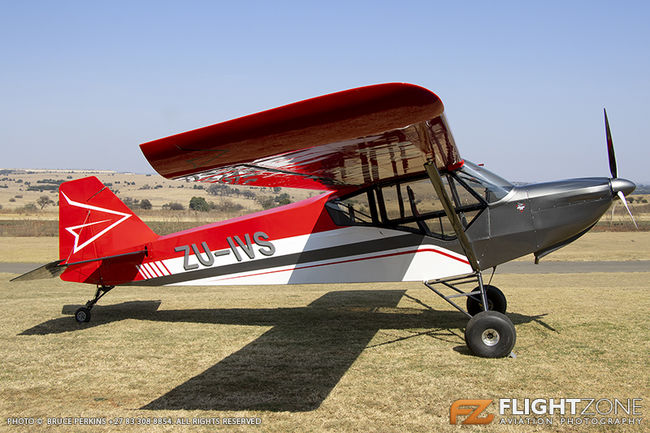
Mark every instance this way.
x=50 y=270
x=56 y=268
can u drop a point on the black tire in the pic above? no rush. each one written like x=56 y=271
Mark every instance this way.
x=82 y=315
x=496 y=301
x=490 y=334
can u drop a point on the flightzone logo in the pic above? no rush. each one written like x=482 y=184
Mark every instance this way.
x=472 y=409
x=548 y=411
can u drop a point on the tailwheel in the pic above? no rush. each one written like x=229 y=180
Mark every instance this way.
x=495 y=298
x=490 y=334
x=82 y=315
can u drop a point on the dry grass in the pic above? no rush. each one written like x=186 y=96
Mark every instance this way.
x=29 y=249
x=381 y=357
x=154 y=188
x=603 y=246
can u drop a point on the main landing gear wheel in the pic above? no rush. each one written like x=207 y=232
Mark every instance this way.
x=490 y=334
x=495 y=297
x=82 y=315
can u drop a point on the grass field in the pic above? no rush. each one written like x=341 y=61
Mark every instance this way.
x=343 y=358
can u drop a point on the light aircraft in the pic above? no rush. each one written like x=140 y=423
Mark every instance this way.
x=400 y=204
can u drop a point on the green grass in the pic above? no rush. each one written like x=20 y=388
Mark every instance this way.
x=380 y=357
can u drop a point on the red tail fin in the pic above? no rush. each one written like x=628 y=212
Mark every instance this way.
x=94 y=223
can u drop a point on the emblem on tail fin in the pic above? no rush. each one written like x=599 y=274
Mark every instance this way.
x=76 y=230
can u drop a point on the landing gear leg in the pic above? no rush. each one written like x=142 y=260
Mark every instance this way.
x=489 y=332
x=82 y=314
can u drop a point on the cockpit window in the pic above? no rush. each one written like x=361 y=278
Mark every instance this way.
x=485 y=184
x=414 y=206
x=410 y=205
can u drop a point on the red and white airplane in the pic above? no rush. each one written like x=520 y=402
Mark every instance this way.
x=400 y=204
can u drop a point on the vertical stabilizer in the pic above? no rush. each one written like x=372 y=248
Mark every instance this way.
x=94 y=223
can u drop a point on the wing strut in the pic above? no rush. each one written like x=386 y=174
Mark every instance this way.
x=448 y=206
x=488 y=333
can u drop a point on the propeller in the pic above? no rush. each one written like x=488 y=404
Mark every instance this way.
x=622 y=197
x=619 y=186
x=610 y=148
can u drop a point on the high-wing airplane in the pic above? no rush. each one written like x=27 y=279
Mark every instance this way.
x=400 y=204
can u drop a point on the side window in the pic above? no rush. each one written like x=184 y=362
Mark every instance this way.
x=353 y=210
x=414 y=206
x=411 y=205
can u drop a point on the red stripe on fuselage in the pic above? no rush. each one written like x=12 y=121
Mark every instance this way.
x=142 y=272
x=159 y=268
x=165 y=267
x=153 y=269
x=381 y=256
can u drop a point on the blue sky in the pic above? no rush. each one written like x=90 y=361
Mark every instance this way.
x=524 y=85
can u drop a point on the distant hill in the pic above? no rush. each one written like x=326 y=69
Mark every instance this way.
x=642 y=189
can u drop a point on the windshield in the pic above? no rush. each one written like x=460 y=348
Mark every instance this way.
x=485 y=183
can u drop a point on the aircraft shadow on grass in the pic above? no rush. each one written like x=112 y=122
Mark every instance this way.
x=294 y=365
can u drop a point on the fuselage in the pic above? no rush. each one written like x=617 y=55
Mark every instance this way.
x=294 y=244
x=394 y=231
x=540 y=218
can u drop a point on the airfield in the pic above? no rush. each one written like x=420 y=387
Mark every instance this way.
x=342 y=358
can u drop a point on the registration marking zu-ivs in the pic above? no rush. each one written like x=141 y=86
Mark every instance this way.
x=237 y=247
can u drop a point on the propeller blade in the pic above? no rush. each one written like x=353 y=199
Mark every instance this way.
x=610 y=148
x=622 y=197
